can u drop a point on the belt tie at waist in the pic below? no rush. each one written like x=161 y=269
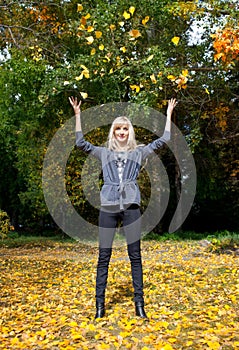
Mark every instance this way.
x=121 y=188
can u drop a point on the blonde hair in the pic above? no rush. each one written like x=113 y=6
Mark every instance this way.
x=113 y=143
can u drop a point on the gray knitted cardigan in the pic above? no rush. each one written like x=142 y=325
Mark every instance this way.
x=114 y=192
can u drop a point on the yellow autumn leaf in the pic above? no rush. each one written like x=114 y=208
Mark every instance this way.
x=214 y=345
x=83 y=67
x=84 y=95
x=79 y=8
x=185 y=72
x=126 y=15
x=83 y=20
x=132 y=10
x=81 y=27
x=150 y=58
x=207 y=92
x=145 y=20
x=107 y=59
x=167 y=347
x=98 y=34
x=90 y=39
x=91 y=327
x=153 y=79
x=123 y=49
x=135 y=87
x=171 y=77
x=101 y=47
x=93 y=51
x=121 y=23
x=135 y=33
x=90 y=29
x=86 y=74
x=87 y=16
x=175 y=40
x=127 y=77
x=112 y=27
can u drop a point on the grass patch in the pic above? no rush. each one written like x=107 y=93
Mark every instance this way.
x=219 y=241
x=15 y=240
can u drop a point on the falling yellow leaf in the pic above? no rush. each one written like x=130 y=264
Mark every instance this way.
x=132 y=10
x=135 y=33
x=127 y=77
x=87 y=16
x=207 y=92
x=79 y=7
x=83 y=20
x=145 y=20
x=112 y=27
x=135 y=87
x=123 y=49
x=150 y=58
x=171 y=77
x=90 y=39
x=90 y=29
x=175 y=40
x=121 y=24
x=93 y=51
x=185 y=72
x=81 y=27
x=126 y=15
x=98 y=34
x=153 y=79
x=101 y=47
x=84 y=95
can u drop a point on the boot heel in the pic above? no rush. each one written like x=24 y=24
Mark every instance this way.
x=100 y=310
x=139 y=309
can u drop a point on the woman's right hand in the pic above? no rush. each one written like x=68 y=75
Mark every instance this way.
x=75 y=104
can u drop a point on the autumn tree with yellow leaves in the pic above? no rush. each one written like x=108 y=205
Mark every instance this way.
x=105 y=51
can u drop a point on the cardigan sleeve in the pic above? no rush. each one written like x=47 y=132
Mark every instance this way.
x=86 y=146
x=156 y=144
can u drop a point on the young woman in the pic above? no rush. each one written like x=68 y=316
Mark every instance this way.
x=120 y=197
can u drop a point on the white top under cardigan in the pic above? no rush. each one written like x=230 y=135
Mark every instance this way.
x=115 y=192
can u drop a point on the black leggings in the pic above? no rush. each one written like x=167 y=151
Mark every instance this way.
x=131 y=221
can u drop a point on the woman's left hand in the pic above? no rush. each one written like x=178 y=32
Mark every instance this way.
x=171 y=105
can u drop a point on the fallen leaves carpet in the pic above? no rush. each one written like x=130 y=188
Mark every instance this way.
x=47 y=298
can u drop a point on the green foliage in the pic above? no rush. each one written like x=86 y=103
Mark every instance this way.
x=105 y=51
x=4 y=224
x=223 y=242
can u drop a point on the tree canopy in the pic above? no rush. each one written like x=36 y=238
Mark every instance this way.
x=104 y=51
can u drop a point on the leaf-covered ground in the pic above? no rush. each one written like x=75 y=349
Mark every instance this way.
x=47 y=299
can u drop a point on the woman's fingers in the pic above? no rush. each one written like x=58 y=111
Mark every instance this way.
x=74 y=102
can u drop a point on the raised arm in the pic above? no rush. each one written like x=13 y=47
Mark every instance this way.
x=171 y=105
x=156 y=144
x=76 y=106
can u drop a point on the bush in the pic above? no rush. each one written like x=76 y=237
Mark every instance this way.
x=4 y=224
x=224 y=241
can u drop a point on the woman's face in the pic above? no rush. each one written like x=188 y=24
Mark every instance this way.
x=121 y=133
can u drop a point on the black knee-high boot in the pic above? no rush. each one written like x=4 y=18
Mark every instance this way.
x=101 y=280
x=134 y=253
